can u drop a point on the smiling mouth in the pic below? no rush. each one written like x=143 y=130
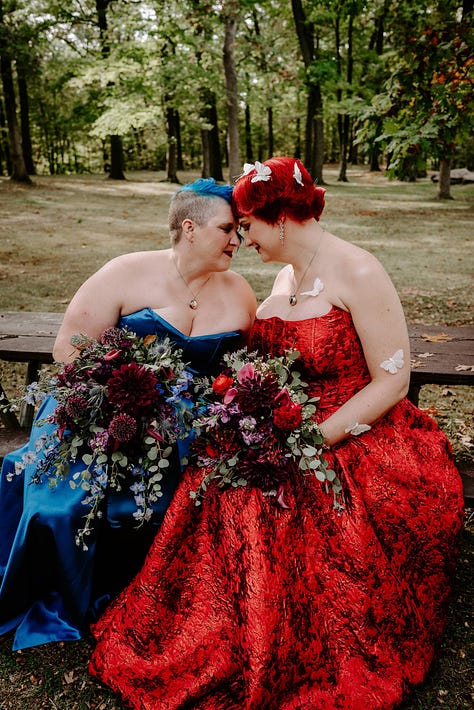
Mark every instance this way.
x=229 y=253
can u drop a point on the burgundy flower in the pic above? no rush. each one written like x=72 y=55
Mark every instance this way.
x=287 y=417
x=255 y=393
x=123 y=427
x=76 y=406
x=68 y=375
x=132 y=387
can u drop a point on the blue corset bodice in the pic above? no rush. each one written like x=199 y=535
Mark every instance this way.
x=203 y=352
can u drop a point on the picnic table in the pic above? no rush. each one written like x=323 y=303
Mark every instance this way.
x=440 y=355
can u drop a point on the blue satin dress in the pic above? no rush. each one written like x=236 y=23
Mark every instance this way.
x=50 y=589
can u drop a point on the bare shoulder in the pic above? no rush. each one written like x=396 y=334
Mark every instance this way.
x=282 y=277
x=133 y=260
x=235 y=279
x=353 y=261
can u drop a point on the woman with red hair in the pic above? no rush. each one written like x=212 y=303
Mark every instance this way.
x=250 y=605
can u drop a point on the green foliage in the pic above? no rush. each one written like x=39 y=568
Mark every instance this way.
x=410 y=90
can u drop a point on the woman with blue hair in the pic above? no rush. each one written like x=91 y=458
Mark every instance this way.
x=50 y=588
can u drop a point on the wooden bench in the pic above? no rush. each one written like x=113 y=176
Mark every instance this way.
x=441 y=355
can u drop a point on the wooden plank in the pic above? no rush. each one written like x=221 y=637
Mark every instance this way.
x=27 y=348
x=439 y=358
x=30 y=323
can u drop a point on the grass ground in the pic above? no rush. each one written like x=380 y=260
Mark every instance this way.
x=54 y=235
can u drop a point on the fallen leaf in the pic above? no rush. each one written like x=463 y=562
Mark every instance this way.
x=447 y=392
x=417 y=363
x=438 y=338
x=69 y=677
x=464 y=368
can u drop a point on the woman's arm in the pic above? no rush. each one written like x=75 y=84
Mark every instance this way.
x=95 y=306
x=378 y=317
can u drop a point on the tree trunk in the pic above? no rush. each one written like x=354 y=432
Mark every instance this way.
x=116 y=158
x=345 y=121
x=270 y=139
x=232 y=99
x=25 y=118
x=444 y=183
x=179 y=145
x=19 y=172
x=314 y=130
x=116 y=147
x=4 y=147
x=211 y=149
x=172 y=152
x=248 y=136
x=298 y=139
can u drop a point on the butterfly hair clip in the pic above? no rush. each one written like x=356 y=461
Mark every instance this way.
x=297 y=175
x=262 y=172
x=394 y=363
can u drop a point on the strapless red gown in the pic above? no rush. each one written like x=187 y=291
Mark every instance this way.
x=243 y=604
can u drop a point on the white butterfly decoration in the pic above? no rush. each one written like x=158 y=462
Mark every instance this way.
x=263 y=172
x=394 y=363
x=318 y=286
x=356 y=428
x=297 y=175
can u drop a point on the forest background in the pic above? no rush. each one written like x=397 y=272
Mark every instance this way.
x=117 y=85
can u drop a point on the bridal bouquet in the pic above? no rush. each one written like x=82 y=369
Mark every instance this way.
x=120 y=408
x=259 y=427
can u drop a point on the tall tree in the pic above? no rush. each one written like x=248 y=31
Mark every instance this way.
x=210 y=141
x=343 y=119
x=116 y=147
x=231 y=82
x=431 y=91
x=19 y=170
x=314 y=131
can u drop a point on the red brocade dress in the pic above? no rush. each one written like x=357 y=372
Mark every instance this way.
x=242 y=604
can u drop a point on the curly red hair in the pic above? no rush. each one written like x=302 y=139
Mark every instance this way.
x=280 y=196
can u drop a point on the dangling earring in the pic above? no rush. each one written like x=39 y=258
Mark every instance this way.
x=281 y=225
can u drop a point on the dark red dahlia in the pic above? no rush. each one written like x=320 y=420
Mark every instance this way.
x=259 y=472
x=123 y=427
x=132 y=387
x=76 y=406
x=255 y=393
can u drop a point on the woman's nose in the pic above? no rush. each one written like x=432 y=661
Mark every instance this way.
x=235 y=238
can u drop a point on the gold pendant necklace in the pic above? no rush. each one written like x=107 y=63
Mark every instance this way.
x=292 y=298
x=193 y=303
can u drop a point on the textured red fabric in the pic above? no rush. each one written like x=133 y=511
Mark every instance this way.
x=243 y=604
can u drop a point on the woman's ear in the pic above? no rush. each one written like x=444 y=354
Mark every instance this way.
x=187 y=227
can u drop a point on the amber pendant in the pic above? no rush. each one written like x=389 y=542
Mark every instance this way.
x=193 y=304
x=293 y=300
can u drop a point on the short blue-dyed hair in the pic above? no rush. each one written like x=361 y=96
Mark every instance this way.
x=195 y=201
x=208 y=187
